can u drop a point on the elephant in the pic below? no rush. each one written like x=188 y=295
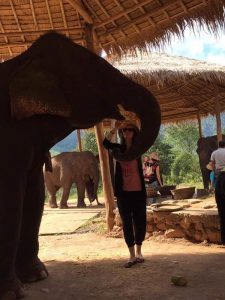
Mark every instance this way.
x=73 y=167
x=206 y=145
x=46 y=92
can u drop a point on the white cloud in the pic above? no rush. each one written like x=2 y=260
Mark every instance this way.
x=202 y=46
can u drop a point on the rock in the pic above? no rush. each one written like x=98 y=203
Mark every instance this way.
x=179 y=280
x=159 y=216
x=187 y=205
x=207 y=206
x=149 y=217
x=185 y=222
x=118 y=220
x=158 y=233
x=174 y=233
x=161 y=226
x=195 y=201
x=149 y=228
x=213 y=236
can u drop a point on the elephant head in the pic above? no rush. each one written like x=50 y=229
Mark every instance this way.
x=57 y=77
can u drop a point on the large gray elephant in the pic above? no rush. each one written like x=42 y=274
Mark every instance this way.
x=206 y=145
x=48 y=91
x=73 y=167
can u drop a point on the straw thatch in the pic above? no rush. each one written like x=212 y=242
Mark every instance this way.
x=184 y=87
x=117 y=25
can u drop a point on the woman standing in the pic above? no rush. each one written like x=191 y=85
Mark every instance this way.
x=130 y=192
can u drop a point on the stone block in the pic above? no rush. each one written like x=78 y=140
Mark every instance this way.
x=149 y=228
x=118 y=220
x=149 y=217
x=174 y=233
x=161 y=226
x=213 y=236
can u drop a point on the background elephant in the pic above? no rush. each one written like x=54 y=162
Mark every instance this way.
x=206 y=146
x=53 y=88
x=73 y=167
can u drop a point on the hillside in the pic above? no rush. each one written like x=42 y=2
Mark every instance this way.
x=67 y=144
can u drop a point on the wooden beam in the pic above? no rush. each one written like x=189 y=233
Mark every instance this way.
x=106 y=177
x=134 y=7
x=78 y=6
x=79 y=140
x=49 y=13
x=218 y=118
x=33 y=14
x=38 y=32
x=199 y=124
x=103 y=154
x=17 y=21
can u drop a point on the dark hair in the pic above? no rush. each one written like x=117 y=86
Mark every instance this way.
x=122 y=139
x=222 y=144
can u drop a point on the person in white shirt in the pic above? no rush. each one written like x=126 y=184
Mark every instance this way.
x=218 y=158
x=218 y=163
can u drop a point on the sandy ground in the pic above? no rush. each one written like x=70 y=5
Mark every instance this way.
x=90 y=266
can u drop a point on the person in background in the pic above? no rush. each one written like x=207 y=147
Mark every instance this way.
x=145 y=164
x=130 y=191
x=152 y=174
x=217 y=161
x=212 y=179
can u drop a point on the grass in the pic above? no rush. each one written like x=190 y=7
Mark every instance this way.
x=96 y=224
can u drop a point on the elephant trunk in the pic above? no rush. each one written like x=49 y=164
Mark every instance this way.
x=146 y=107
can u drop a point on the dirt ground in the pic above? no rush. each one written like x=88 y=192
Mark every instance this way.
x=90 y=266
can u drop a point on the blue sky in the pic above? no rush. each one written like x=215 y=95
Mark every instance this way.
x=202 y=46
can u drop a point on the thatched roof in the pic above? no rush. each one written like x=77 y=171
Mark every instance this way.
x=182 y=86
x=117 y=25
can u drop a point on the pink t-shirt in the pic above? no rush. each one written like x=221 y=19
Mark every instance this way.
x=131 y=177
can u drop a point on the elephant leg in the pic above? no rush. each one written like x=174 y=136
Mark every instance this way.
x=65 y=196
x=13 y=179
x=53 y=201
x=28 y=266
x=98 y=203
x=81 y=195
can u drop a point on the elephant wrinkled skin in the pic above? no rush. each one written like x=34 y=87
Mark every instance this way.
x=73 y=167
x=46 y=92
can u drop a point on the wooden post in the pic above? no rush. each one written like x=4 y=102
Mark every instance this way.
x=79 y=140
x=199 y=124
x=103 y=154
x=106 y=178
x=218 y=119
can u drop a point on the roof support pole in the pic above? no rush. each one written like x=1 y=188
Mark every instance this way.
x=103 y=154
x=218 y=118
x=199 y=124
x=79 y=140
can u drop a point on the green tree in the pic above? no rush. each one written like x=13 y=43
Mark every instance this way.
x=89 y=142
x=183 y=139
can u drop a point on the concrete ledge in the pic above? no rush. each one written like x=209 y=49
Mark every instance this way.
x=198 y=222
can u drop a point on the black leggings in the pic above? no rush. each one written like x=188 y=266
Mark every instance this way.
x=220 y=200
x=132 y=209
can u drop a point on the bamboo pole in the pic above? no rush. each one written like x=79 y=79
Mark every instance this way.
x=218 y=118
x=199 y=124
x=103 y=154
x=79 y=140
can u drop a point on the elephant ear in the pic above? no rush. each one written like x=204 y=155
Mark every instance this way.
x=36 y=91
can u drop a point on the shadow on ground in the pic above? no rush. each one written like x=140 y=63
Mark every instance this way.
x=107 y=279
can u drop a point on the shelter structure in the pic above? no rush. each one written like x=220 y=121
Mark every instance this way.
x=185 y=88
x=117 y=26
